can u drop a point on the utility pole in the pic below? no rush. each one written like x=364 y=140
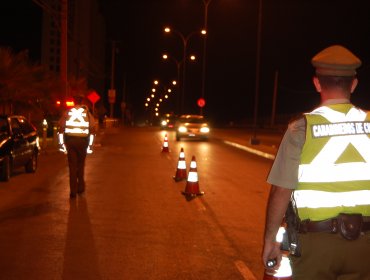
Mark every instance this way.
x=254 y=140
x=274 y=97
x=112 y=91
x=64 y=43
x=205 y=27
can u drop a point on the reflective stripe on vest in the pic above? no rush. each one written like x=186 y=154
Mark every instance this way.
x=334 y=174
x=78 y=122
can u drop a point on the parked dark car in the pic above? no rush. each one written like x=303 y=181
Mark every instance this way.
x=19 y=145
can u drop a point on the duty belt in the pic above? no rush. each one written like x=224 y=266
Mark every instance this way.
x=349 y=225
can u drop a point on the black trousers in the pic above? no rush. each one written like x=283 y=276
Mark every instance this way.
x=76 y=153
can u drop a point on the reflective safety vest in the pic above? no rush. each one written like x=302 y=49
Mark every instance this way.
x=77 y=122
x=334 y=170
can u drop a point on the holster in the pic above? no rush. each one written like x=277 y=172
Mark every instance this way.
x=293 y=222
x=350 y=225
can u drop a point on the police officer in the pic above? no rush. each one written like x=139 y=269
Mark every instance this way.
x=323 y=167
x=76 y=138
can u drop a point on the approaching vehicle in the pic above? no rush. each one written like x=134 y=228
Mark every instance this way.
x=192 y=126
x=19 y=145
x=168 y=121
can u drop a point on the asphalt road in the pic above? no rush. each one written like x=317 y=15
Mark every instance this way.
x=133 y=222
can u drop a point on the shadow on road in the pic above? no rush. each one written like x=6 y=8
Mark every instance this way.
x=80 y=254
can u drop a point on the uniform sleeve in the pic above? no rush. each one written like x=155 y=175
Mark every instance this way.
x=284 y=171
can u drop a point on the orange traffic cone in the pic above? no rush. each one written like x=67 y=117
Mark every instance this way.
x=165 y=148
x=181 y=167
x=192 y=184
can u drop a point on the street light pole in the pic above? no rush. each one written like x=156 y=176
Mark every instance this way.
x=64 y=44
x=178 y=65
x=184 y=42
x=254 y=140
x=206 y=4
x=112 y=92
x=164 y=94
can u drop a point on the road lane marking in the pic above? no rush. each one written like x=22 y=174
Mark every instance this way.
x=250 y=150
x=246 y=273
x=244 y=270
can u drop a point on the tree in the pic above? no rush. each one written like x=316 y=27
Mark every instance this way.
x=25 y=85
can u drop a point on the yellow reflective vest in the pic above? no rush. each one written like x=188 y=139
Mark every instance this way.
x=334 y=170
x=77 y=122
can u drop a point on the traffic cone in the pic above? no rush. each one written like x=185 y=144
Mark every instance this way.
x=181 y=167
x=192 y=184
x=165 y=148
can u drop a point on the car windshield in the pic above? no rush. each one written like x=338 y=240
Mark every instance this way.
x=192 y=120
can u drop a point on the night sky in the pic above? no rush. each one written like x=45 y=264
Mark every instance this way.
x=292 y=32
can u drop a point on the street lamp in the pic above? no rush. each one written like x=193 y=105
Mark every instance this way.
x=178 y=64
x=166 y=90
x=184 y=40
x=166 y=56
x=206 y=4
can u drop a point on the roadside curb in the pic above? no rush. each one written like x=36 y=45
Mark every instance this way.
x=250 y=150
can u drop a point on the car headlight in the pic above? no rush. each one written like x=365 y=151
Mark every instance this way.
x=164 y=123
x=204 y=129
x=182 y=129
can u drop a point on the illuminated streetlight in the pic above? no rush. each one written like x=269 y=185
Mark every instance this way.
x=166 y=56
x=184 y=40
x=163 y=93
x=206 y=4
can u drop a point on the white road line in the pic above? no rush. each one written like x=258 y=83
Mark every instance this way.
x=250 y=150
x=244 y=270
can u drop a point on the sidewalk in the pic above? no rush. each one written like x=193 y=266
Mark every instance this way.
x=240 y=138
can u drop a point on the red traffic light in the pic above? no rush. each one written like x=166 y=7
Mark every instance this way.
x=201 y=102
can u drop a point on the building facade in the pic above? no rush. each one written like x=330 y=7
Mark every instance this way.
x=73 y=42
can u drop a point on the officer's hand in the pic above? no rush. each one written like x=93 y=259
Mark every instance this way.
x=271 y=252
